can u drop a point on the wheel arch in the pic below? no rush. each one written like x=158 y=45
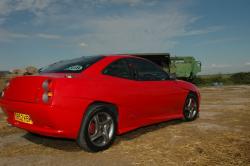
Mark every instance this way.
x=111 y=106
x=194 y=93
x=88 y=110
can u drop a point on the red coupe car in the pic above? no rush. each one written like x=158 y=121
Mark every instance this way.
x=94 y=98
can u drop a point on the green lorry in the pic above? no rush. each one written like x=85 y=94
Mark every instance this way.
x=185 y=67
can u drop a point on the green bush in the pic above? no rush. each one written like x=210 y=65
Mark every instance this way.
x=237 y=78
x=209 y=80
x=241 y=78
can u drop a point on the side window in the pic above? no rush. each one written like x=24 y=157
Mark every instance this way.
x=118 y=68
x=146 y=71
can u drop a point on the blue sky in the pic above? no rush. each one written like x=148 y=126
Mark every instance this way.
x=40 y=32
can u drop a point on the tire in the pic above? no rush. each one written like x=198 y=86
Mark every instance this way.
x=191 y=108
x=98 y=128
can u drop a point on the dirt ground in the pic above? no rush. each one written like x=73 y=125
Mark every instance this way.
x=220 y=136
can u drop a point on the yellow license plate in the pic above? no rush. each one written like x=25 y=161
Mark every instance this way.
x=23 y=118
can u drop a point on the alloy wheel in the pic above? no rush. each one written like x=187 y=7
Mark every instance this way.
x=101 y=129
x=190 y=108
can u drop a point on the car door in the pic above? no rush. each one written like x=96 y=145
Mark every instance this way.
x=158 y=96
x=141 y=99
x=124 y=91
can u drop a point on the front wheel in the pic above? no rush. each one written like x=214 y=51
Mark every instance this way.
x=190 y=110
x=98 y=129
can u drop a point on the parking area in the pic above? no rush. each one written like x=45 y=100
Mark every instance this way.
x=220 y=136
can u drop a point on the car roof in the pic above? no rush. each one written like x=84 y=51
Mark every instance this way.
x=139 y=55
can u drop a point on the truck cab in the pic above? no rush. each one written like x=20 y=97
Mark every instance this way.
x=185 y=67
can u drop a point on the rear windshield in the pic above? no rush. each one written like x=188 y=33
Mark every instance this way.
x=71 y=66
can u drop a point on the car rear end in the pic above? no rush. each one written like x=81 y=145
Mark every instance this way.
x=48 y=104
x=27 y=101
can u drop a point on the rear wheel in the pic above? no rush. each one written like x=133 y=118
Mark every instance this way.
x=98 y=129
x=190 y=110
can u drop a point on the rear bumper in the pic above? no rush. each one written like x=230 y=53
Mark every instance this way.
x=54 y=121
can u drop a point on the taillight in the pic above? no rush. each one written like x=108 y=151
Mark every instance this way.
x=47 y=88
x=46 y=85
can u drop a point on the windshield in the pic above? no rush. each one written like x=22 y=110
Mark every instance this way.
x=76 y=65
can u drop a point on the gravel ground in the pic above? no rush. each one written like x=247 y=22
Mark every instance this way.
x=221 y=136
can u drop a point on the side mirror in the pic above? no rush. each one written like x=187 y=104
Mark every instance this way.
x=172 y=76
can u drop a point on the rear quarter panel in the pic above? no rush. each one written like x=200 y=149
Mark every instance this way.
x=75 y=95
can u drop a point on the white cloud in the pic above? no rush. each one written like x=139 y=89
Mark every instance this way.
x=82 y=44
x=18 y=35
x=37 y=6
x=203 y=31
x=99 y=3
x=135 y=31
x=139 y=32
x=220 y=65
x=6 y=36
x=224 y=68
x=34 y=6
x=216 y=66
x=216 y=41
x=247 y=63
x=48 y=36
x=129 y=2
x=5 y=7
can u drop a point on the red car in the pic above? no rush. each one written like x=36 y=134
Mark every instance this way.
x=94 y=98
